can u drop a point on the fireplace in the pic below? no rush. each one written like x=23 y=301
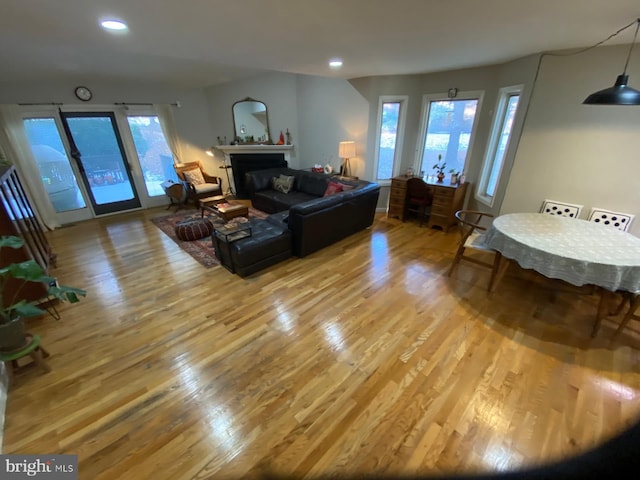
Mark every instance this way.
x=245 y=158
x=242 y=163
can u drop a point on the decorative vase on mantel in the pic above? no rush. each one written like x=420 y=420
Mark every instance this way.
x=440 y=177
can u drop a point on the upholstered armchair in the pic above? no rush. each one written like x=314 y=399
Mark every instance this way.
x=197 y=183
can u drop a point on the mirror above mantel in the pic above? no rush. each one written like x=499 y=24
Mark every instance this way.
x=251 y=122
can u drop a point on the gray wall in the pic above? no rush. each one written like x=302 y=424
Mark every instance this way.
x=279 y=93
x=330 y=111
x=567 y=152
x=487 y=79
x=583 y=154
x=192 y=118
x=319 y=113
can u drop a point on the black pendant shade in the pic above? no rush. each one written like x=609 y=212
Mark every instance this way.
x=619 y=94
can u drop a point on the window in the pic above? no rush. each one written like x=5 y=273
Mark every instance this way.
x=447 y=131
x=506 y=109
x=391 y=120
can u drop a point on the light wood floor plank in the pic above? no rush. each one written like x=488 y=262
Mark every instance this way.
x=363 y=357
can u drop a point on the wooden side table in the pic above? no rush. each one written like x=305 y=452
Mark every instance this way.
x=176 y=193
x=207 y=202
x=227 y=211
x=398 y=198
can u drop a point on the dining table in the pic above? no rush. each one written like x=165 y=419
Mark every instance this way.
x=576 y=251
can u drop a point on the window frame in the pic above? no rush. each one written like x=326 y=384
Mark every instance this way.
x=427 y=98
x=403 y=100
x=488 y=162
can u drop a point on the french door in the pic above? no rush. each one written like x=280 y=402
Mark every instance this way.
x=97 y=149
x=100 y=161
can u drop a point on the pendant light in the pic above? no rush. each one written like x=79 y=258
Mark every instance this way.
x=620 y=93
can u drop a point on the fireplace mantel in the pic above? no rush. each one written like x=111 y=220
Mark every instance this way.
x=229 y=150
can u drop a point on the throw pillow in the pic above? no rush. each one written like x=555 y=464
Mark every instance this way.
x=284 y=183
x=333 y=188
x=346 y=185
x=194 y=176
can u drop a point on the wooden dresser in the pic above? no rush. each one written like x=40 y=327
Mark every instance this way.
x=397 y=198
x=447 y=199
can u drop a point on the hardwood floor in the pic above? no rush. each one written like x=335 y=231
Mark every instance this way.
x=361 y=358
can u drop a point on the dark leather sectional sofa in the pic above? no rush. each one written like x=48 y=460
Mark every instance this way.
x=315 y=221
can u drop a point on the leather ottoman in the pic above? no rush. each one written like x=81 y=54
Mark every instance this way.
x=269 y=244
x=194 y=229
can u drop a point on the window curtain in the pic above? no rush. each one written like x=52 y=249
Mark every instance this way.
x=15 y=145
x=168 y=125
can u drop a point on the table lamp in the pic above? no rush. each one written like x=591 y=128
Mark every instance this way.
x=346 y=150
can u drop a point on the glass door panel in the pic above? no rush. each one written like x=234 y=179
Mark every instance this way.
x=156 y=160
x=102 y=162
x=55 y=170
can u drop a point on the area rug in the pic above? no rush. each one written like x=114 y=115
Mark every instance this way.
x=201 y=250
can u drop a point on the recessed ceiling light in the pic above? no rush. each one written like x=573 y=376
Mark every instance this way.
x=335 y=63
x=114 y=25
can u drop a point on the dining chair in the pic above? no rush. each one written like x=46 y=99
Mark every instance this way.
x=418 y=197
x=634 y=303
x=618 y=220
x=472 y=226
x=552 y=207
x=197 y=182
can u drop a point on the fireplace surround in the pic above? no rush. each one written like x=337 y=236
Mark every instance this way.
x=246 y=158
x=242 y=163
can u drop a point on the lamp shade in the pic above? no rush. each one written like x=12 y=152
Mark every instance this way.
x=619 y=94
x=347 y=149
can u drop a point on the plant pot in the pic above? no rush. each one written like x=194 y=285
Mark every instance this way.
x=12 y=335
x=454 y=179
x=440 y=177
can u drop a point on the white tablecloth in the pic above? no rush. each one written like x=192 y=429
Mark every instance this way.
x=573 y=250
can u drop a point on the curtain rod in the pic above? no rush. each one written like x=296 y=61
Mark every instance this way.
x=176 y=104
x=50 y=103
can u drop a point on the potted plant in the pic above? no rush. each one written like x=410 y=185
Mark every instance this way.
x=12 y=310
x=439 y=167
x=454 y=176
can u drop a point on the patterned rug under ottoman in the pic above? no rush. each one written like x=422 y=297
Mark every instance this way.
x=200 y=249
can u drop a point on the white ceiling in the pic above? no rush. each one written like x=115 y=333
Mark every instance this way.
x=195 y=43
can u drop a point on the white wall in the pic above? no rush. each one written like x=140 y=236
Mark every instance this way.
x=577 y=153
